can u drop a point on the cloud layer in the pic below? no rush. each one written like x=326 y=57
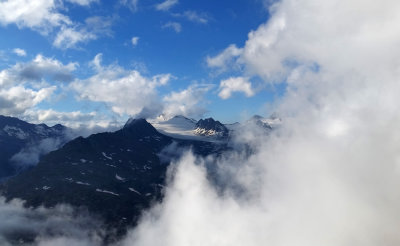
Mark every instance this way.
x=329 y=174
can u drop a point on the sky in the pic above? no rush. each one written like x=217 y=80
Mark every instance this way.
x=97 y=63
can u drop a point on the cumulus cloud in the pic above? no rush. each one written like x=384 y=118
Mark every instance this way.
x=22 y=85
x=124 y=91
x=329 y=174
x=176 y=26
x=19 y=52
x=235 y=84
x=166 y=5
x=40 y=15
x=42 y=67
x=45 y=17
x=128 y=92
x=17 y=99
x=189 y=102
x=226 y=59
x=39 y=68
x=135 y=41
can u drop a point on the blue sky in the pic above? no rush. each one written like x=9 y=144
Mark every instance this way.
x=48 y=50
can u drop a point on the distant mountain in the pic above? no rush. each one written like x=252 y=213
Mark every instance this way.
x=266 y=123
x=210 y=127
x=186 y=128
x=115 y=175
x=22 y=143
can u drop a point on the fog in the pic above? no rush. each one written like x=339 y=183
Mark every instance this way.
x=56 y=226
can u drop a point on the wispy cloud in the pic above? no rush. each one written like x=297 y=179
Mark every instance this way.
x=71 y=36
x=19 y=52
x=133 y=5
x=166 y=5
x=176 y=26
x=194 y=16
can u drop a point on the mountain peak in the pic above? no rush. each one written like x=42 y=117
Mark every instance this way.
x=134 y=122
x=256 y=117
x=211 y=127
x=139 y=127
x=184 y=118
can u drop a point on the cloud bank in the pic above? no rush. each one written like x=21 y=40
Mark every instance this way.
x=329 y=174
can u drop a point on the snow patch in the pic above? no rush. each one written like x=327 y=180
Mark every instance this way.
x=133 y=190
x=106 y=156
x=108 y=192
x=119 y=177
x=180 y=127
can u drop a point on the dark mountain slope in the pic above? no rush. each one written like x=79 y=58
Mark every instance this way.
x=16 y=135
x=115 y=175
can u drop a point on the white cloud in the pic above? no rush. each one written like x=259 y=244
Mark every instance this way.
x=176 y=26
x=235 y=84
x=71 y=36
x=135 y=41
x=17 y=99
x=83 y=2
x=24 y=85
x=226 y=59
x=124 y=91
x=166 y=5
x=19 y=52
x=44 y=16
x=82 y=123
x=41 y=15
x=96 y=62
x=39 y=68
x=52 y=117
x=189 y=102
x=271 y=52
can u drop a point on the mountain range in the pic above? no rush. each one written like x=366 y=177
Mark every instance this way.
x=114 y=175
x=22 y=143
